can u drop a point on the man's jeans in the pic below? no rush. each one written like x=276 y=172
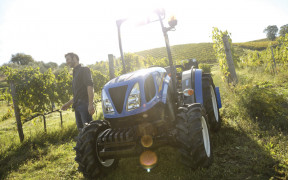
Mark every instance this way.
x=82 y=115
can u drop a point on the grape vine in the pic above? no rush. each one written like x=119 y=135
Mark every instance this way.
x=280 y=51
x=37 y=92
x=219 y=49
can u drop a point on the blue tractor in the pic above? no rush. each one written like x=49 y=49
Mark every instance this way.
x=150 y=108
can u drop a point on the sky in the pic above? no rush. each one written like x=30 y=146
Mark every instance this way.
x=48 y=29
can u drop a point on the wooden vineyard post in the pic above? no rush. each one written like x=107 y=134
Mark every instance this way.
x=231 y=68
x=275 y=72
x=44 y=119
x=17 y=111
x=111 y=66
x=61 y=119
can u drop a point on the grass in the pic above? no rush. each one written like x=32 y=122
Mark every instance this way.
x=264 y=119
x=14 y=155
x=4 y=108
x=48 y=161
x=3 y=83
x=246 y=147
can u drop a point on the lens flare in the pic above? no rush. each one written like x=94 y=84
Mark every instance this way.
x=148 y=160
x=146 y=141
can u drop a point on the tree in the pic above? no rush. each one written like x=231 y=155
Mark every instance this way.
x=61 y=66
x=21 y=58
x=133 y=62
x=283 y=30
x=271 y=32
x=101 y=66
x=51 y=65
x=99 y=80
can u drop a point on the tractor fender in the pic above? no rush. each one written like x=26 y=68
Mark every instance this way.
x=218 y=97
x=198 y=86
x=192 y=79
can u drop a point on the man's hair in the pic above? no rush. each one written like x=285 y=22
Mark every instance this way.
x=72 y=55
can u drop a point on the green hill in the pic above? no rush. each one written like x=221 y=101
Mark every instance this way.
x=256 y=45
x=203 y=52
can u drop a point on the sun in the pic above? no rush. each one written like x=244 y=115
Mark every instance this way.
x=142 y=29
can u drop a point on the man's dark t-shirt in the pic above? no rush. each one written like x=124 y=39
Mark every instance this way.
x=81 y=79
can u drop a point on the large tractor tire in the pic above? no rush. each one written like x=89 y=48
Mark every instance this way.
x=210 y=102
x=87 y=151
x=193 y=136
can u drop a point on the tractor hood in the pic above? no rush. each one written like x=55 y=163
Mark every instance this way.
x=147 y=85
x=134 y=75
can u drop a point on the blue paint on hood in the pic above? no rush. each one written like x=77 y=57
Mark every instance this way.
x=133 y=75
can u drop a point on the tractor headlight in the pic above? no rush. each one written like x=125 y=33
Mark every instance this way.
x=134 y=98
x=107 y=106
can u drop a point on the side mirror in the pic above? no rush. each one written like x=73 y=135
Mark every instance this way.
x=172 y=21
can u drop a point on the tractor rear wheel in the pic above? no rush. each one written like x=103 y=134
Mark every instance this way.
x=210 y=102
x=87 y=151
x=193 y=136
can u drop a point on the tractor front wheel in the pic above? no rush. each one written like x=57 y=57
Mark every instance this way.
x=87 y=151
x=193 y=136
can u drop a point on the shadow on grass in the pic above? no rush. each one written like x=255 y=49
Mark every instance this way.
x=236 y=156
x=266 y=106
x=33 y=148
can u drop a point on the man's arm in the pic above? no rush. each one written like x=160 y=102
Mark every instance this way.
x=90 y=91
x=67 y=105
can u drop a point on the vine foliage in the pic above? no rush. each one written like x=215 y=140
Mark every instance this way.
x=219 y=49
x=38 y=92
x=256 y=58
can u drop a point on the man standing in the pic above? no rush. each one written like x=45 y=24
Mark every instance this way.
x=83 y=92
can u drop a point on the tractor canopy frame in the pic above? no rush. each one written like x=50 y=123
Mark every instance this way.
x=172 y=23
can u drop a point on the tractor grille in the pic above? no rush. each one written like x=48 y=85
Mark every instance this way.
x=118 y=96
